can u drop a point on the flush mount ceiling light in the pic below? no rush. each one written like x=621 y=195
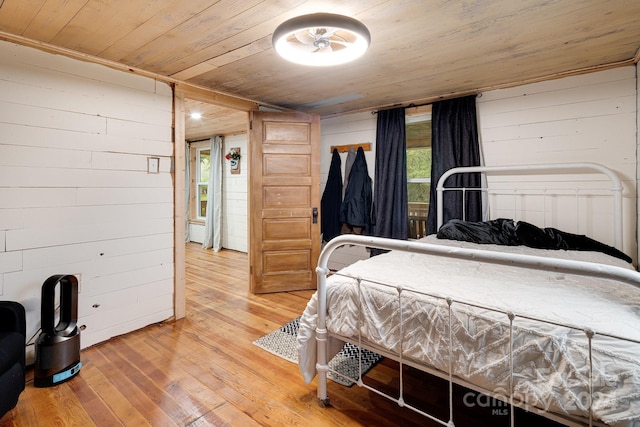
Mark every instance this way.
x=321 y=39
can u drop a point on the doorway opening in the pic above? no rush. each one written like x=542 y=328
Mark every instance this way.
x=204 y=121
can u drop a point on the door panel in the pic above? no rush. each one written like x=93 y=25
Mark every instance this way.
x=284 y=190
x=286 y=165
x=279 y=196
x=297 y=228
x=284 y=261
x=288 y=131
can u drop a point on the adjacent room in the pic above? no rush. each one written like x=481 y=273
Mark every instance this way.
x=319 y=213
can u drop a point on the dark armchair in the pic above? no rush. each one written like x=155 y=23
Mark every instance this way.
x=12 y=354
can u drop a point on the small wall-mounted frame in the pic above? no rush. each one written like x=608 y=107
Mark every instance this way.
x=234 y=163
x=153 y=164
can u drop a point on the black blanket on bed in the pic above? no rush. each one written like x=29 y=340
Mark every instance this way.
x=507 y=232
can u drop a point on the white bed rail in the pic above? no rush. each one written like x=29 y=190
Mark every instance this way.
x=623 y=275
x=616 y=185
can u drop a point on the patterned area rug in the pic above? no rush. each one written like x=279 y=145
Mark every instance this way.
x=282 y=343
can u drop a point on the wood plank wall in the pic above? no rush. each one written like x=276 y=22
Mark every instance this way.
x=587 y=118
x=75 y=193
x=344 y=130
x=234 y=195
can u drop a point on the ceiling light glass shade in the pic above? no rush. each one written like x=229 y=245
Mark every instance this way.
x=321 y=39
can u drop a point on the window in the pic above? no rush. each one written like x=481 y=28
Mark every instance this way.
x=418 y=131
x=203 y=162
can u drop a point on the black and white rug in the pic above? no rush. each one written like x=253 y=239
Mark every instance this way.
x=282 y=343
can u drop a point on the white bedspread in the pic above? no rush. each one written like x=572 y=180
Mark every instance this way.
x=551 y=368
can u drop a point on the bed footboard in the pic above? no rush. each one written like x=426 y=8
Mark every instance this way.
x=560 y=266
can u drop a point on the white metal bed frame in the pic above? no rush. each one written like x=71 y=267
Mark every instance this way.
x=615 y=189
x=559 y=265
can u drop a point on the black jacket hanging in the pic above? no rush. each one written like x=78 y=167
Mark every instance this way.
x=331 y=200
x=356 y=210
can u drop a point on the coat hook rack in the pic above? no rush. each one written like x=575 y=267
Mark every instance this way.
x=345 y=148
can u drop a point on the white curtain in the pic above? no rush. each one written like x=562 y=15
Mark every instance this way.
x=187 y=189
x=213 y=222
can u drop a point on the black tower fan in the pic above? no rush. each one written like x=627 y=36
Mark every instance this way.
x=58 y=346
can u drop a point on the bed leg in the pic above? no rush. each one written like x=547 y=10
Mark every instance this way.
x=324 y=403
x=322 y=364
x=322 y=383
x=322 y=368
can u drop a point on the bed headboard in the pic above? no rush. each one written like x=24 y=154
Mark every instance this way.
x=544 y=194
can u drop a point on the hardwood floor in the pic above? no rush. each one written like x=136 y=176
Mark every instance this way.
x=204 y=370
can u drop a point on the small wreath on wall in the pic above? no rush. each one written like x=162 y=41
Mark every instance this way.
x=234 y=159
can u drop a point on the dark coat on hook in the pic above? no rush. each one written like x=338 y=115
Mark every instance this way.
x=356 y=214
x=332 y=200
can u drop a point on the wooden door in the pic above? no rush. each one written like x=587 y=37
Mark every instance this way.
x=284 y=201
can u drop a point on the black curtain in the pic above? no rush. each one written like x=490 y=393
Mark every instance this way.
x=454 y=143
x=390 y=189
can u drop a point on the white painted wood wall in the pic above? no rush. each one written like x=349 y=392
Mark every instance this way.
x=588 y=118
x=234 y=200
x=344 y=130
x=75 y=193
x=234 y=196
x=585 y=118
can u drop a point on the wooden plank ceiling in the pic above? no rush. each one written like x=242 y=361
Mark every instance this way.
x=421 y=51
x=215 y=120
